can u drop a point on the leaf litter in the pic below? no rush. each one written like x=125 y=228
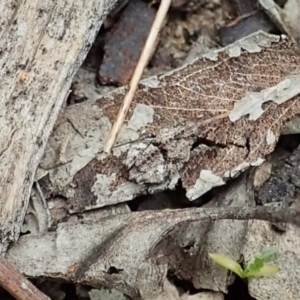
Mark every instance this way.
x=200 y=132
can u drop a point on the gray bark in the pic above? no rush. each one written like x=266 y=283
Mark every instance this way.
x=42 y=45
x=127 y=251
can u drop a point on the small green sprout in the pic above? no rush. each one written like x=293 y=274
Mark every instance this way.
x=258 y=267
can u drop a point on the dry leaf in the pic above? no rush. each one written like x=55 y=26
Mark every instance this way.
x=179 y=126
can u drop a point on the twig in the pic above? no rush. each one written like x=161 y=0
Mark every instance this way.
x=17 y=285
x=144 y=58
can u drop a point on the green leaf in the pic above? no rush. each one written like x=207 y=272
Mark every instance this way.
x=268 y=254
x=264 y=271
x=227 y=263
x=255 y=266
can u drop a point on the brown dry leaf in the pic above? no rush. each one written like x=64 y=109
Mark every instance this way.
x=203 y=123
x=190 y=137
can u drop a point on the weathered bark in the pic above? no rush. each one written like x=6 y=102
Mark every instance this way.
x=286 y=18
x=41 y=46
x=120 y=251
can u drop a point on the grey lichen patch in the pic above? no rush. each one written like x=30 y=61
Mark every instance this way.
x=86 y=129
x=150 y=167
x=133 y=153
x=168 y=184
x=111 y=94
x=155 y=175
x=242 y=167
x=204 y=296
x=236 y=171
x=253 y=43
x=179 y=149
x=292 y=127
x=206 y=181
x=252 y=103
x=106 y=193
x=106 y=294
x=211 y=55
x=127 y=136
x=156 y=161
x=270 y=138
x=84 y=86
x=127 y=191
x=142 y=116
x=101 y=187
x=148 y=83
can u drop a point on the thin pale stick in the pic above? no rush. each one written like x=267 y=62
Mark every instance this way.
x=138 y=72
